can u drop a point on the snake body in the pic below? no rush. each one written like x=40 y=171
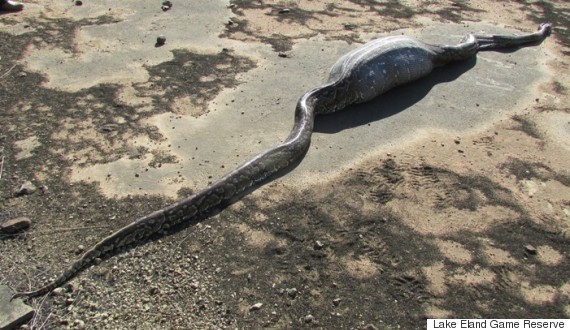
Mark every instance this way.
x=358 y=76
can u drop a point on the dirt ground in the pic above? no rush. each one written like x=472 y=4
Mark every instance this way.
x=475 y=225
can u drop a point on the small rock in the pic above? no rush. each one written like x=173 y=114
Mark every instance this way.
x=194 y=285
x=80 y=249
x=13 y=313
x=15 y=225
x=292 y=292
x=369 y=327
x=337 y=301
x=309 y=318
x=349 y=26
x=166 y=5
x=284 y=11
x=79 y=324
x=22 y=74
x=108 y=128
x=27 y=188
x=69 y=301
x=78 y=2
x=255 y=307
x=282 y=55
x=530 y=249
x=70 y=287
x=318 y=245
x=314 y=293
x=57 y=292
x=457 y=141
x=160 y=40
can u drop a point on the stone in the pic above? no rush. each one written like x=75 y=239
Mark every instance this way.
x=79 y=324
x=58 y=292
x=109 y=127
x=27 y=188
x=530 y=249
x=292 y=292
x=15 y=225
x=255 y=307
x=318 y=245
x=166 y=5
x=13 y=313
x=160 y=40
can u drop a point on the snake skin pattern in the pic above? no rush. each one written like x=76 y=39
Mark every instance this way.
x=359 y=76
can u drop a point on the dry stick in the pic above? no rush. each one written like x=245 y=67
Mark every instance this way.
x=13 y=66
x=1 y=164
x=37 y=317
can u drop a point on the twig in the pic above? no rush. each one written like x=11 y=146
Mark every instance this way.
x=13 y=66
x=1 y=160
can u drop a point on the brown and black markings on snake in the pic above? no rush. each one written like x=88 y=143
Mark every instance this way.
x=359 y=76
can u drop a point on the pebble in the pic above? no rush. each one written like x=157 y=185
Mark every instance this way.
x=160 y=40
x=79 y=324
x=284 y=11
x=166 y=5
x=15 y=225
x=27 y=188
x=349 y=26
x=108 y=128
x=78 y=2
x=369 y=327
x=292 y=292
x=530 y=249
x=318 y=245
x=255 y=307
x=58 y=292
x=315 y=293
x=337 y=301
x=309 y=318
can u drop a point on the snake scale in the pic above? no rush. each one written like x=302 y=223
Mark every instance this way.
x=359 y=76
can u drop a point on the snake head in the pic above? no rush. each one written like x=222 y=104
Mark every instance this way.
x=546 y=29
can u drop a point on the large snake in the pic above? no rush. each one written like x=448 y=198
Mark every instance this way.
x=359 y=76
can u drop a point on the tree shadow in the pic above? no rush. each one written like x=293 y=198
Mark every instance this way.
x=392 y=102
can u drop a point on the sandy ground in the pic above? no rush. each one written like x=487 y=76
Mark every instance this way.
x=453 y=201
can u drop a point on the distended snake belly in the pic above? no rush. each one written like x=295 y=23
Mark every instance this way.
x=359 y=76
